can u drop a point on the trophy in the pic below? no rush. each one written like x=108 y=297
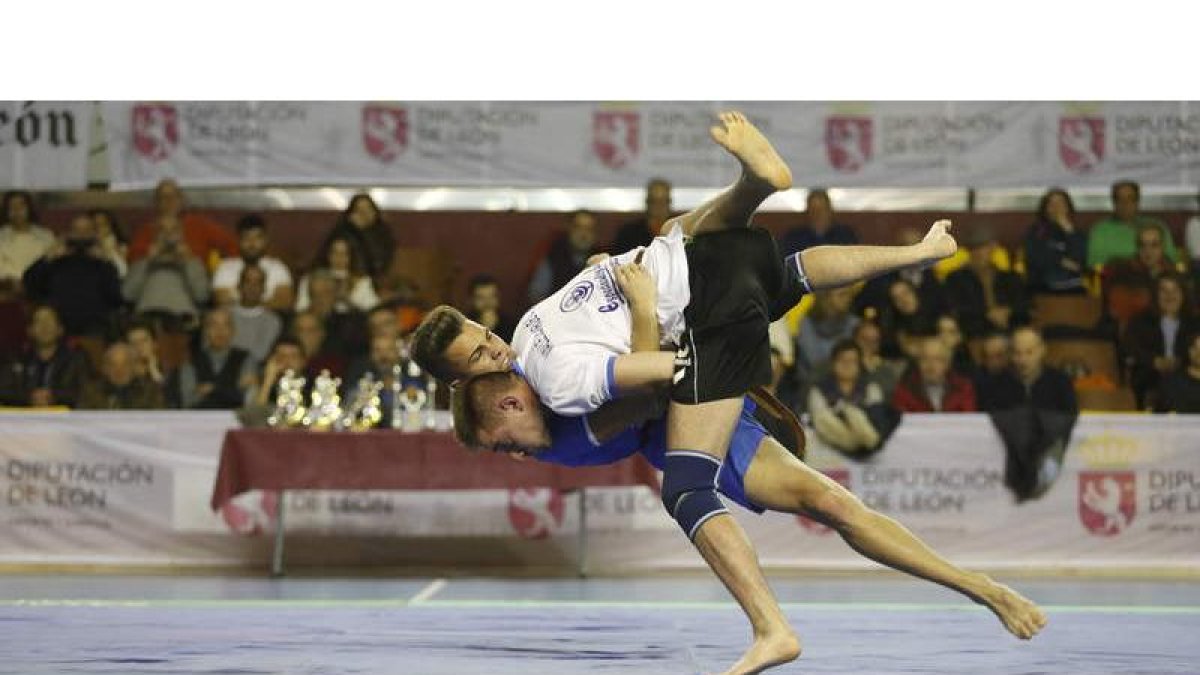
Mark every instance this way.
x=289 y=401
x=397 y=420
x=365 y=411
x=417 y=399
x=323 y=411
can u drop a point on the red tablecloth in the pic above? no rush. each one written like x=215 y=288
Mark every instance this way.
x=267 y=459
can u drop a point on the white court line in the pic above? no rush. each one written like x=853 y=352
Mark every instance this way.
x=429 y=591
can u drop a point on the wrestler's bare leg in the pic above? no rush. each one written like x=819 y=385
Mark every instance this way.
x=707 y=428
x=776 y=480
x=763 y=173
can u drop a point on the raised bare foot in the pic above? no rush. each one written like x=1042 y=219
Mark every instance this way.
x=938 y=242
x=759 y=160
x=1019 y=615
x=766 y=652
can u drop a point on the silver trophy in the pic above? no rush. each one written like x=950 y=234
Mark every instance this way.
x=323 y=411
x=289 y=401
x=366 y=409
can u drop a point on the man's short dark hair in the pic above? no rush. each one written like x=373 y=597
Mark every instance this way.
x=20 y=194
x=468 y=405
x=289 y=341
x=480 y=280
x=845 y=345
x=1137 y=189
x=432 y=338
x=251 y=221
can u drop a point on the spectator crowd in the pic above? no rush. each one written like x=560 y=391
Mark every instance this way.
x=186 y=312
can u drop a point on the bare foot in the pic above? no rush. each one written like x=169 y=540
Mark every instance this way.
x=938 y=242
x=766 y=652
x=1019 y=615
x=759 y=160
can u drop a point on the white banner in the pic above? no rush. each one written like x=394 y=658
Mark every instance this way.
x=133 y=488
x=44 y=144
x=568 y=144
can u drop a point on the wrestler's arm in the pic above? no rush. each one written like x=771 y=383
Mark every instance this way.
x=616 y=416
x=833 y=266
x=646 y=366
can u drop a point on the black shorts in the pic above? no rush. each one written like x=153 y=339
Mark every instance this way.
x=739 y=285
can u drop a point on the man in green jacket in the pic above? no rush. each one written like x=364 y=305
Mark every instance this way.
x=1115 y=236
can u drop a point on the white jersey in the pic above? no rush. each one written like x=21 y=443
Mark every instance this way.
x=567 y=344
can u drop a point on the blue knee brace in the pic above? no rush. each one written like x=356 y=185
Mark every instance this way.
x=689 y=489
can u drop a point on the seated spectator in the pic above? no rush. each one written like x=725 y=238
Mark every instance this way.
x=640 y=232
x=827 y=323
x=1055 y=250
x=22 y=240
x=363 y=226
x=168 y=284
x=848 y=410
x=1180 y=391
x=119 y=387
x=287 y=354
x=566 y=256
x=1034 y=409
x=77 y=281
x=1114 y=237
x=1156 y=342
x=345 y=325
x=114 y=240
x=383 y=320
x=255 y=327
x=383 y=357
x=253 y=243
x=309 y=331
x=218 y=375
x=984 y=296
x=204 y=238
x=950 y=333
x=925 y=283
x=932 y=386
x=48 y=372
x=818 y=228
x=485 y=307
x=353 y=287
x=146 y=362
x=1128 y=283
x=882 y=371
x=993 y=366
x=905 y=313
x=1029 y=381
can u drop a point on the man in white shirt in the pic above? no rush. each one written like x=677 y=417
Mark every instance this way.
x=252 y=249
x=22 y=240
x=717 y=294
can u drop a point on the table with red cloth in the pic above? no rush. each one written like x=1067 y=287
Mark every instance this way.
x=270 y=459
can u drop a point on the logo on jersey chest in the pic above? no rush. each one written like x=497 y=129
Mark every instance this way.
x=575 y=297
x=578 y=295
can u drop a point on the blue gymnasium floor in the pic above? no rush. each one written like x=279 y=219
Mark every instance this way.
x=306 y=626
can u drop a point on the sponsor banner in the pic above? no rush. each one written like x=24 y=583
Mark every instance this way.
x=44 y=144
x=134 y=488
x=580 y=144
x=1154 y=143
